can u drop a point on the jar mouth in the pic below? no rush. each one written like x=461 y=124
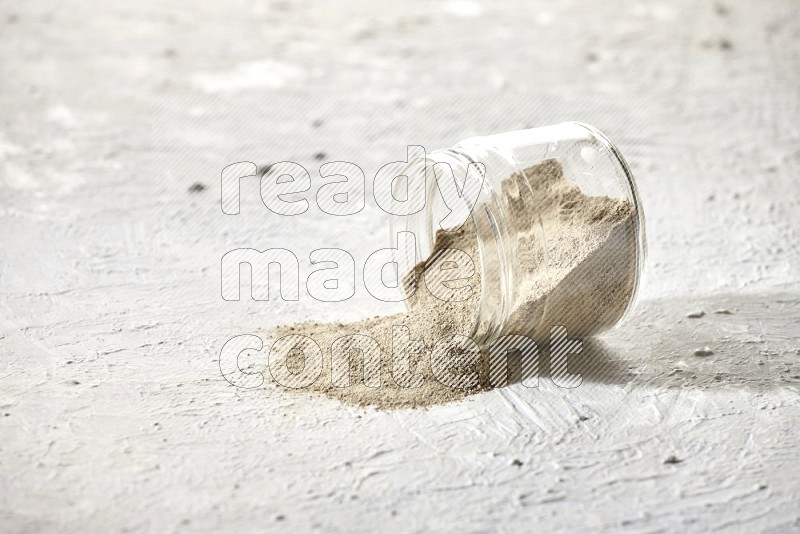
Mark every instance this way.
x=639 y=221
x=485 y=221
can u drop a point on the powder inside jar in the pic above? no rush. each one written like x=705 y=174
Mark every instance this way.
x=576 y=268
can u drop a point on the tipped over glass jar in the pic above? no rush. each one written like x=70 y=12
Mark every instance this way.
x=555 y=231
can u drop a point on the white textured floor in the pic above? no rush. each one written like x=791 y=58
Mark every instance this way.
x=113 y=412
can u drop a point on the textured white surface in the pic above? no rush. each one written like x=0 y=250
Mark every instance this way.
x=113 y=414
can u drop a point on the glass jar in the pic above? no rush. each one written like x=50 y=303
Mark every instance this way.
x=558 y=223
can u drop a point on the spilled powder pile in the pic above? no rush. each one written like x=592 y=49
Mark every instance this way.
x=576 y=267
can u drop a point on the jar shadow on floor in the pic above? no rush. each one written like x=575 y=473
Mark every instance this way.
x=709 y=342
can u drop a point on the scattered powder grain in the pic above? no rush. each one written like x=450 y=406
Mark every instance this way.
x=576 y=268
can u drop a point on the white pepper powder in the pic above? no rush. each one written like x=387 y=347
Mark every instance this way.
x=577 y=256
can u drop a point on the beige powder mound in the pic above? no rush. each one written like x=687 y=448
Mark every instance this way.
x=576 y=268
